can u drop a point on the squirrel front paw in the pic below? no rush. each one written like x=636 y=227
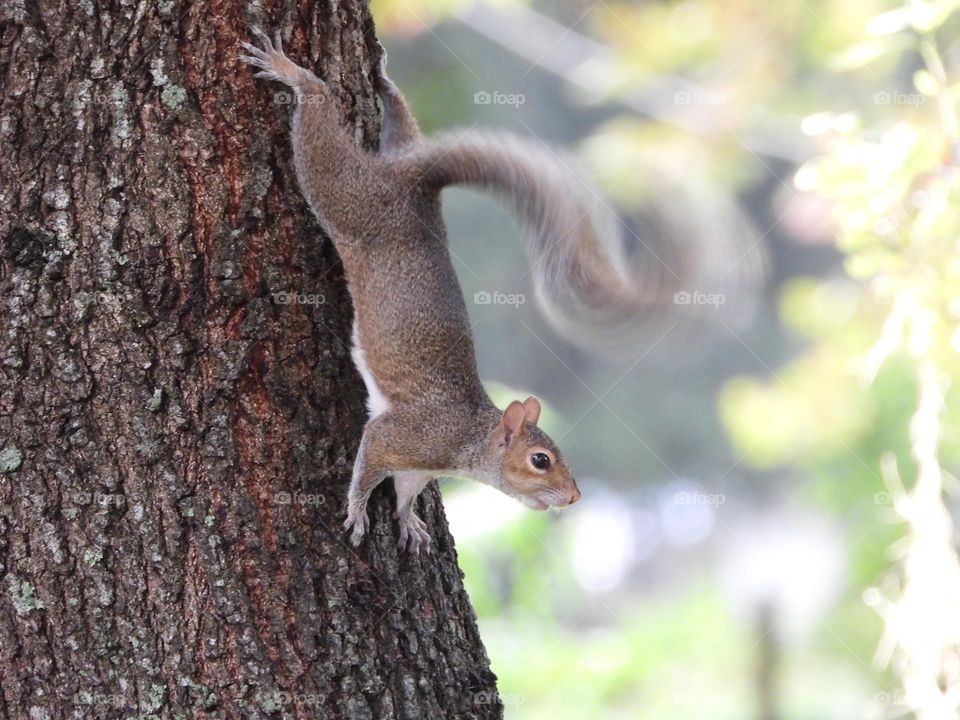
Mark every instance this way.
x=273 y=63
x=413 y=533
x=359 y=522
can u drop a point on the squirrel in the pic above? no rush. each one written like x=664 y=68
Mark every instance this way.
x=429 y=415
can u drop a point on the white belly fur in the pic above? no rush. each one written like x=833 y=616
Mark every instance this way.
x=376 y=402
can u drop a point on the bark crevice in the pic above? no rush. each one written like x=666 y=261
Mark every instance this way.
x=175 y=438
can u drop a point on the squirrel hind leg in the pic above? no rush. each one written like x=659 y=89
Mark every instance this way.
x=368 y=472
x=274 y=64
x=399 y=127
x=408 y=484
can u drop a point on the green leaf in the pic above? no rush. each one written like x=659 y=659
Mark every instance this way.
x=892 y=21
x=925 y=83
x=862 y=54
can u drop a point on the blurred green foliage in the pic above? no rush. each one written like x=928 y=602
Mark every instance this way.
x=818 y=417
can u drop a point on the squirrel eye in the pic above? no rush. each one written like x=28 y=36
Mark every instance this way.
x=540 y=461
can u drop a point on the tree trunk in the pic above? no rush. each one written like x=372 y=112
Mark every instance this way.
x=178 y=408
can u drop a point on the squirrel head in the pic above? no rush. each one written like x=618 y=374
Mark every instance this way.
x=531 y=468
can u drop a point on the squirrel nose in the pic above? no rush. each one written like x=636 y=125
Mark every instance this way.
x=574 y=496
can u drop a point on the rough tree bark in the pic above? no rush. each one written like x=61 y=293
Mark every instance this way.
x=176 y=432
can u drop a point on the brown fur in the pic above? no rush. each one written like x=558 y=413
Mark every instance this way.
x=411 y=320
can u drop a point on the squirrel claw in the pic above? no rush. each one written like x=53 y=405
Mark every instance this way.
x=262 y=37
x=359 y=524
x=413 y=535
x=269 y=58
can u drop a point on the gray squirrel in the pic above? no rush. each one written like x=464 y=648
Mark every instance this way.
x=429 y=415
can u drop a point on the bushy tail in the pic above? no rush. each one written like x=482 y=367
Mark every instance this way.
x=602 y=286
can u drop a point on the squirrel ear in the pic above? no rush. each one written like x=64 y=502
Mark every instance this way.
x=531 y=409
x=511 y=422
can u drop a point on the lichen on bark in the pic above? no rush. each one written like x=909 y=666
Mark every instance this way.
x=175 y=444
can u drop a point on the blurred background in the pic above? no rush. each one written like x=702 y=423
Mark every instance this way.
x=766 y=524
